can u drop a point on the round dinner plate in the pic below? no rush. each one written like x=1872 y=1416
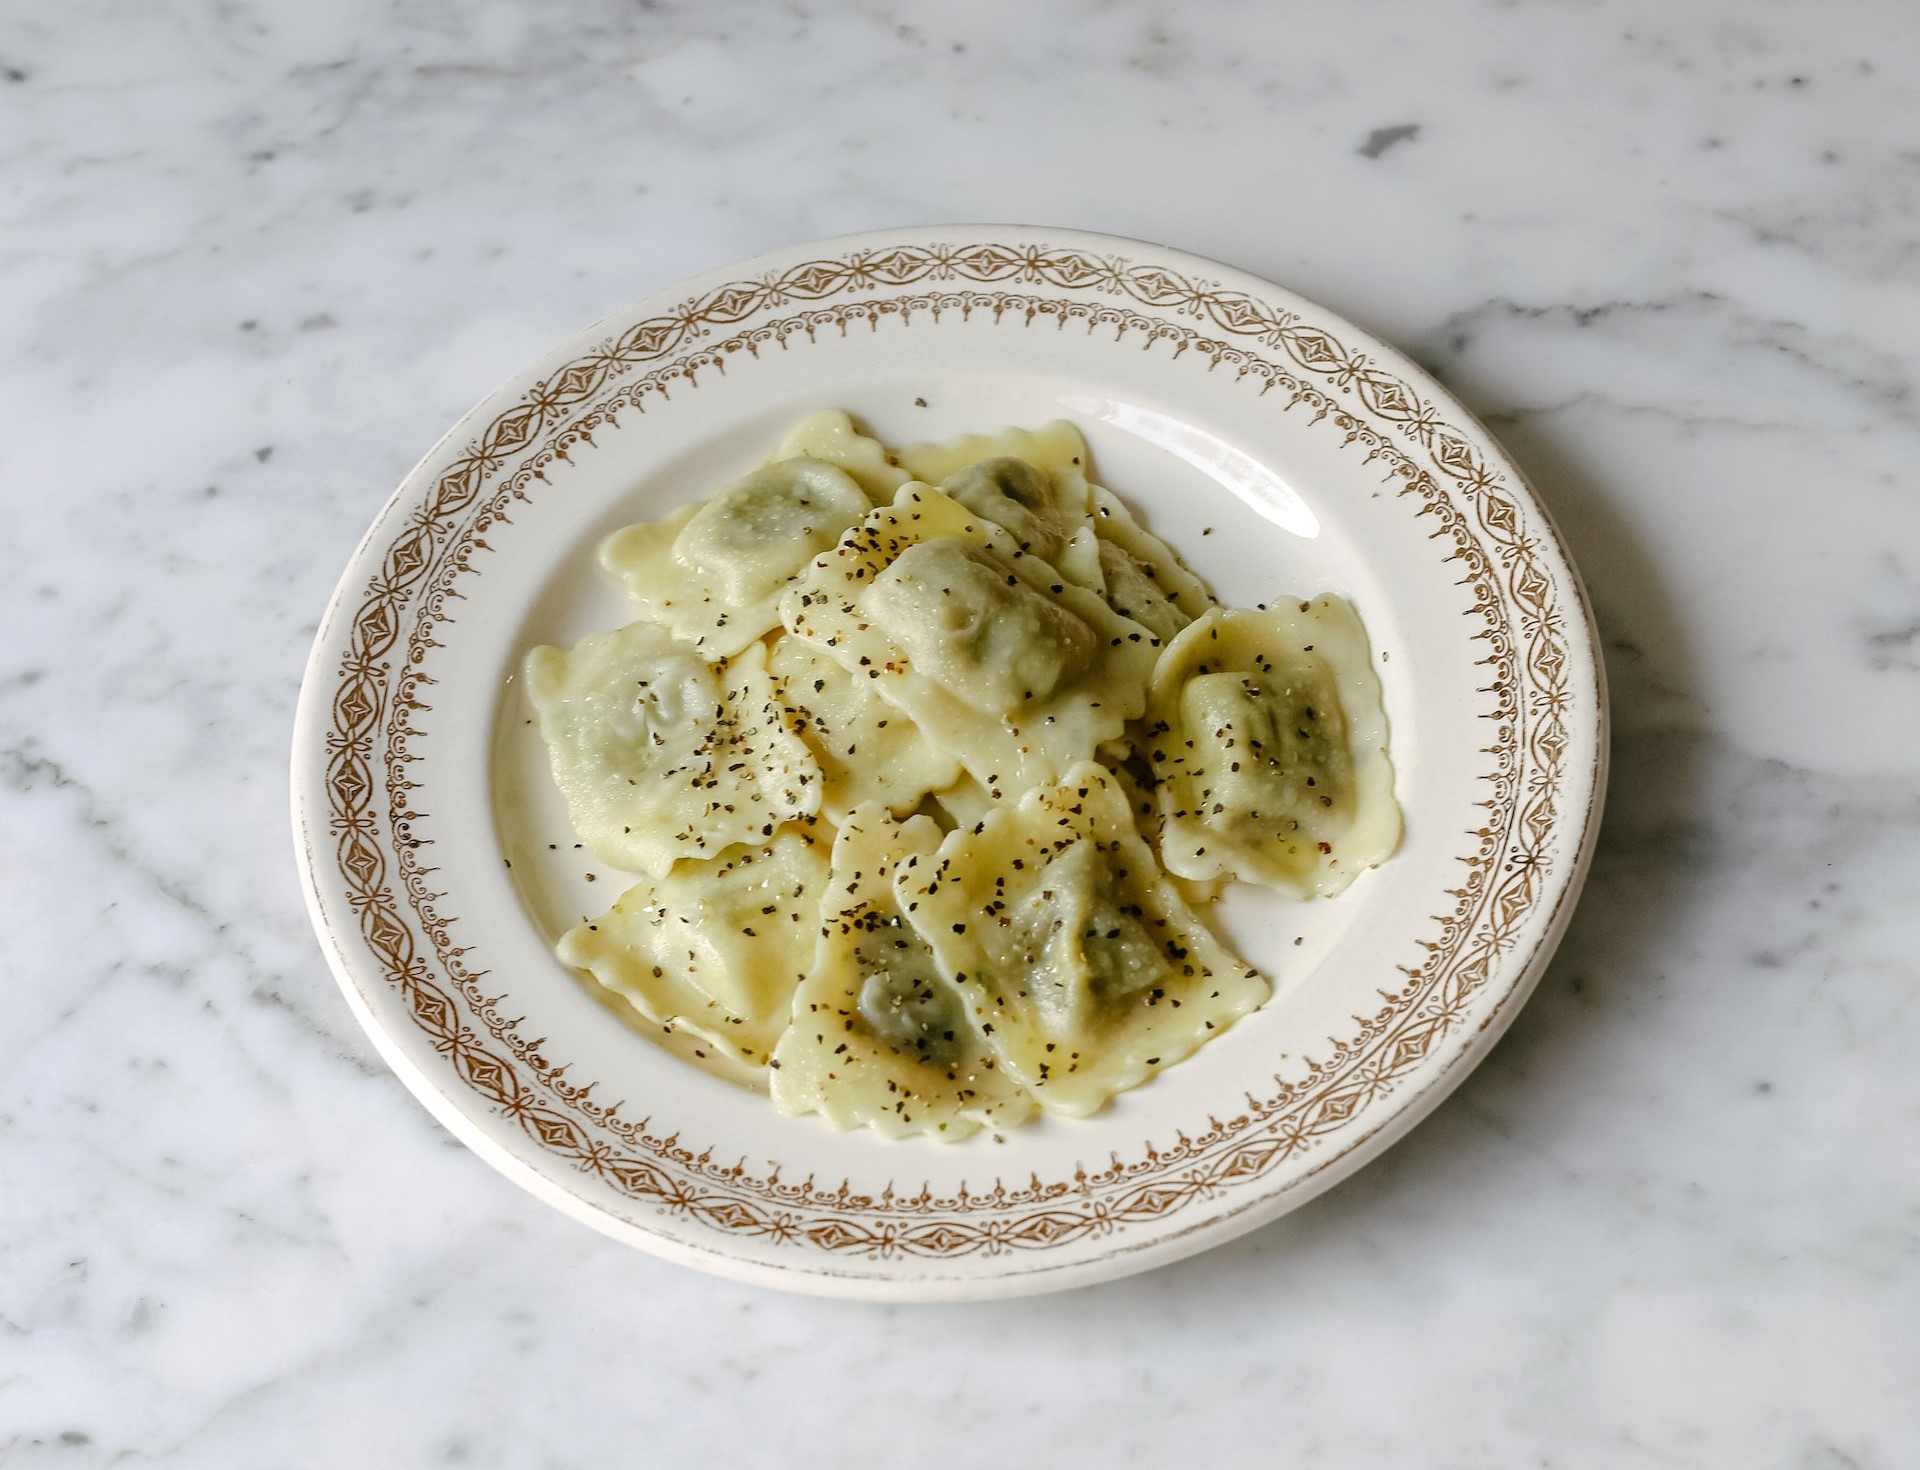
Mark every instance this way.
x=1282 y=452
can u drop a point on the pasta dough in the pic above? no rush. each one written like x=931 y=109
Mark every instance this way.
x=714 y=948
x=1072 y=951
x=713 y=572
x=662 y=756
x=880 y=1038
x=1144 y=578
x=1132 y=772
x=1054 y=448
x=1002 y=664
x=830 y=436
x=1270 y=749
x=1030 y=483
x=865 y=748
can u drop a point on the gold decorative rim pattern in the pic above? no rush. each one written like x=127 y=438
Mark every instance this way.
x=1513 y=594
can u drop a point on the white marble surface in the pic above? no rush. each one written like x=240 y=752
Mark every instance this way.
x=255 y=257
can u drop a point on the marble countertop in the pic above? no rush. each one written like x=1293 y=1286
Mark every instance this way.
x=257 y=257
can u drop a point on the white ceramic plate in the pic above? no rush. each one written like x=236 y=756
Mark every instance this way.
x=1279 y=448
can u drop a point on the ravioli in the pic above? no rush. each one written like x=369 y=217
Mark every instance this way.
x=1144 y=577
x=660 y=755
x=831 y=436
x=1132 y=772
x=1043 y=513
x=1132 y=593
x=1077 y=960
x=879 y=1039
x=713 y=572
x=1015 y=672
x=866 y=749
x=714 y=948
x=1270 y=746
x=929 y=758
x=968 y=623
x=1056 y=448
x=1031 y=483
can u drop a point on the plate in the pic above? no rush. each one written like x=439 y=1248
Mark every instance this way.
x=1279 y=448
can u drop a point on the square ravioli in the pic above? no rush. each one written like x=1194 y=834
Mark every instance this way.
x=1269 y=747
x=713 y=572
x=1080 y=963
x=831 y=436
x=1032 y=483
x=1002 y=663
x=660 y=755
x=880 y=1039
x=1056 y=448
x=716 y=948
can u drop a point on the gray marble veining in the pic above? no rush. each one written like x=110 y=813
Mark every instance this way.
x=255 y=257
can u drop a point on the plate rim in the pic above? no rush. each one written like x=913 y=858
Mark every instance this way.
x=1027 y=1275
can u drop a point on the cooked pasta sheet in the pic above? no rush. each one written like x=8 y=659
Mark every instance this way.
x=928 y=762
